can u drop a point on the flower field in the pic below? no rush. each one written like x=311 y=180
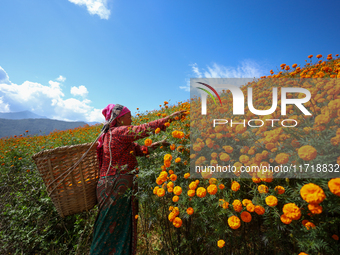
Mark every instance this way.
x=202 y=213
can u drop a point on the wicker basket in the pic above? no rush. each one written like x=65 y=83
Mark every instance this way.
x=71 y=191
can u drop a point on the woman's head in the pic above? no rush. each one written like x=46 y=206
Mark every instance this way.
x=124 y=117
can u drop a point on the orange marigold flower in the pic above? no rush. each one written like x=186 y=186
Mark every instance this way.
x=245 y=216
x=237 y=205
x=335 y=237
x=178 y=190
x=167 y=157
x=193 y=185
x=271 y=201
x=310 y=56
x=190 y=211
x=250 y=207
x=136 y=216
x=262 y=188
x=177 y=160
x=334 y=186
x=235 y=186
x=303 y=253
x=234 y=222
x=259 y=210
x=191 y=193
x=157 y=130
x=173 y=177
x=280 y=189
x=212 y=181
x=201 y=192
x=291 y=211
x=282 y=158
x=312 y=193
x=309 y=225
x=294 y=65
x=315 y=208
x=212 y=189
x=171 y=216
x=177 y=222
x=307 y=152
x=172 y=147
x=319 y=56
x=220 y=243
x=148 y=142
x=155 y=190
x=285 y=219
x=160 y=192
x=175 y=199
x=186 y=176
x=221 y=186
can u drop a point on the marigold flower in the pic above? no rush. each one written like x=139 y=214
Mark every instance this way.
x=292 y=211
x=160 y=192
x=235 y=186
x=157 y=130
x=310 y=56
x=155 y=190
x=191 y=193
x=175 y=199
x=177 y=222
x=186 y=176
x=220 y=243
x=307 y=152
x=262 y=188
x=259 y=210
x=271 y=201
x=234 y=222
x=228 y=149
x=309 y=225
x=282 y=158
x=250 y=207
x=245 y=216
x=190 y=211
x=312 y=193
x=148 y=142
x=237 y=205
x=315 y=208
x=319 y=56
x=177 y=160
x=303 y=253
x=334 y=186
x=212 y=189
x=244 y=158
x=201 y=192
x=167 y=157
x=280 y=189
x=173 y=177
x=178 y=190
x=172 y=147
x=171 y=216
x=136 y=216
x=167 y=163
x=285 y=219
x=221 y=186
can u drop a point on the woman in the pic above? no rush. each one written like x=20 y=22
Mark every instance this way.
x=115 y=229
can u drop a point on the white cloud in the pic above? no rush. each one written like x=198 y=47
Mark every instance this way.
x=61 y=78
x=247 y=69
x=3 y=76
x=46 y=100
x=98 y=7
x=81 y=91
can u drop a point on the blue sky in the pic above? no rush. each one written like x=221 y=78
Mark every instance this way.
x=68 y=59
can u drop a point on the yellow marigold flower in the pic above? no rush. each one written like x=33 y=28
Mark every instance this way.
x=160 y=192
x=224 y=157
x=235 y=186
x=212 y=189
x=282 y=158
x=190 y=211
x=259 y=210
x=178 y=190
x=167 y=157
x=250 y=207
x=176 y=211
x=157 y=130
x=334 y=186
x=291 y=211
x=220 y=243
x=159 y=181
x=315 y=208
x=240 y=129
x=245 y=202
x=170 y=185
x=177 y=222
x=175 y=199
x=221 y=186
x=262 y=188
x=170 y=189
x=177 y=160
x=201 y=192
x=186 y=176
x=280 y=189
x=237 y=205
x=155 y=190
x=335 y=237
x=245 y=216
x=191 y=193
x=173 y=177
x=244 y=158
x=225 y=205
x=234 y=222
x=148 y=142
x=171 y=208
x=228 y=149
x=312 y=193
x=270 y=146
x=322 y=119
x=271 y=201
x=256 y=180
x=309 y=225
x=307 y=152
x=172 y=216
x=285 y=219
x=167 y=124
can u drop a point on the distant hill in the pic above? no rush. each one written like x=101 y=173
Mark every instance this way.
x=20 y=115
x=34 y=126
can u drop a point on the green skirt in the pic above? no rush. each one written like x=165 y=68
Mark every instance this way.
x=115 y=229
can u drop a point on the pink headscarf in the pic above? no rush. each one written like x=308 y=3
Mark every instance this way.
x=107 y=114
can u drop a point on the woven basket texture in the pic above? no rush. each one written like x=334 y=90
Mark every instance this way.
x=77 y=192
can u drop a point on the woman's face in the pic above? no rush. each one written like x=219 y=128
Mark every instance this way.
x=125 y=120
